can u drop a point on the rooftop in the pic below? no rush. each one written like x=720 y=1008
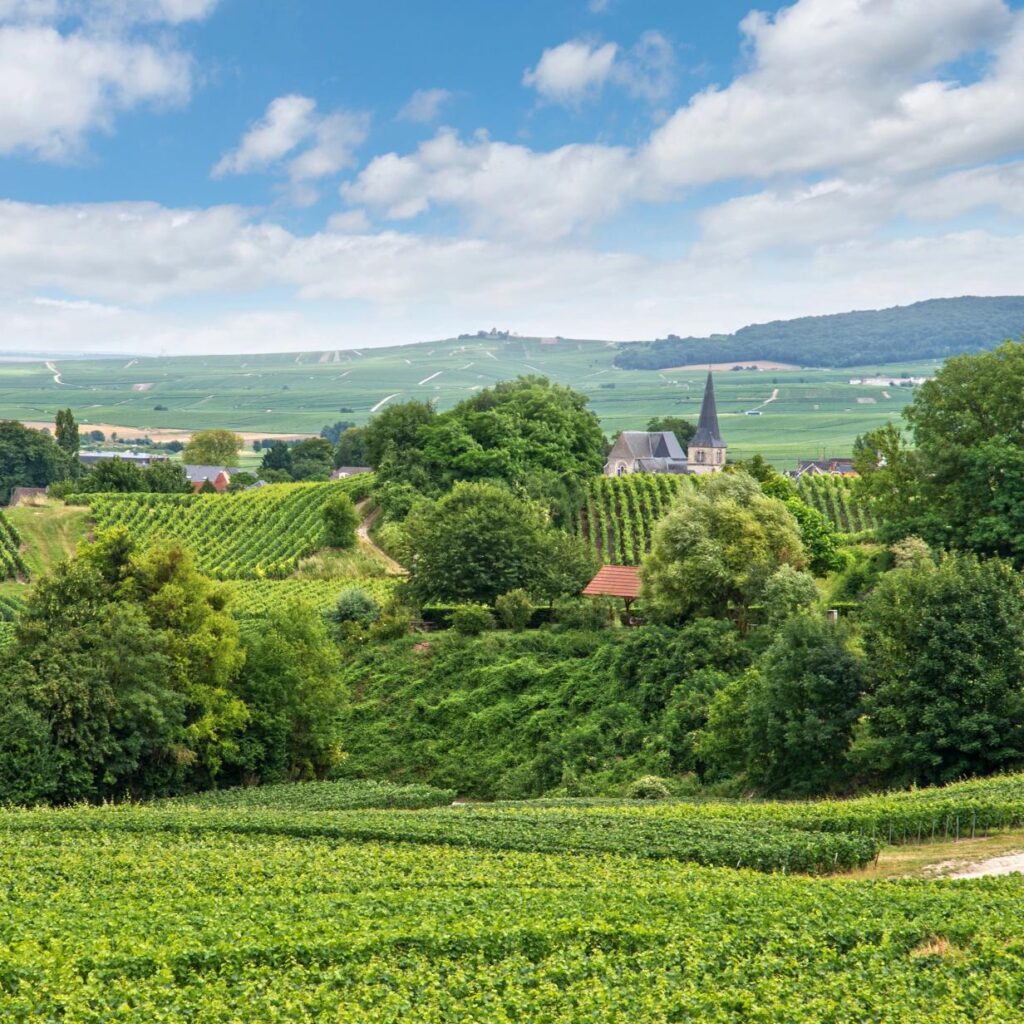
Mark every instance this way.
x=614 y=581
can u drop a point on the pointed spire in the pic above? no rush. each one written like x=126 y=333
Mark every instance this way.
x=707 y=435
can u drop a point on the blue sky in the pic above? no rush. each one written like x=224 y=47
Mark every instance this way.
x=240 y=175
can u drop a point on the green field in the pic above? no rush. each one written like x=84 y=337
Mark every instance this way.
x=285 y=905
x=815 y=412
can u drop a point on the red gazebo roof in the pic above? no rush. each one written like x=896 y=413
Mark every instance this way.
x=614 y=581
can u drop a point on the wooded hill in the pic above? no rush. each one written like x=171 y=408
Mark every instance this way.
x=925 y=330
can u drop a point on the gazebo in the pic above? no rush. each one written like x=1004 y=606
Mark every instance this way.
x=615 y=581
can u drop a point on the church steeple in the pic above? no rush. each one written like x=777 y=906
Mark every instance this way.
x=707 y=449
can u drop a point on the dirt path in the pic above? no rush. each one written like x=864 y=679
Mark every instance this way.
x=768 y=401
x=363 y=531
x=1009 y=864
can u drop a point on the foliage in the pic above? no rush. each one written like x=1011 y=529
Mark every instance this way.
x=472 y=619
x=128 y=657
x=944 y=666
x=396 y=427
x=648 y=787
x=277 y=458
x=787 y=592
x=714 y=552
x=312 y=459
x=122 y=476
x=248 y=535
x=505 y=714
x=347 y=795
x=354 y=605
x=481 y=540
x=254 y=599
x=804 y=702
x=293 y=699
x=215 y=447
x=340 y=521
x=958 y=482
x=66 y=432
x=515 y=609
x=351 y=449
x=29 y=458
x=932 y=329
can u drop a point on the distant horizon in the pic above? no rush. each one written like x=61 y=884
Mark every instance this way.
x=23 y=356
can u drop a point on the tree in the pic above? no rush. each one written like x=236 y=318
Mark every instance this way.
x=787 y=592
x=340 y=521
x=295 y=702
x=277 y=457
x=682 y=428
x=166 y=477
x=715 y=551
x=958 y=481
x=944 y=669
x=67 y=432
x=213 y=448
x=29 y=458
x=128 y=659
x=312 y=459
x=397 y=425
x=479 y=541
x=803 y=704
x=332 y=432
x=351 y=449
x=113 y=476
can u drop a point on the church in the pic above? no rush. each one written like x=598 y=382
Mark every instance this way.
x=642 y=451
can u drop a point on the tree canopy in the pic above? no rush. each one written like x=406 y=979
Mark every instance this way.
x=29 y=458
x=213 y=448
x=715 y=551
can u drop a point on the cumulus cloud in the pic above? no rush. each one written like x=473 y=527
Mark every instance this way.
x=68 y=69
x=319 y=144
x=424 y=105
x=506 y=189
x=571 y=72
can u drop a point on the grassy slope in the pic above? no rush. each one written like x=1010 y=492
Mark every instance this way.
x=816 y=410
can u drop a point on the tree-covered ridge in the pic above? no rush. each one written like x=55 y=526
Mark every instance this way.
x=933 y=329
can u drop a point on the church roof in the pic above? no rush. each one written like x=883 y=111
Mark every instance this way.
x=644 y=444
x=708 y=435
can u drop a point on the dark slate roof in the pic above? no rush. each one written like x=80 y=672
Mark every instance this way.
x=197 y=474
x=708 y=435
x=615 y=581
x=643 y=444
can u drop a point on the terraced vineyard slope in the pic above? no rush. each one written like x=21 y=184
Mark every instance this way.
x=835 y=498
x=249 y=535
x=619 y=514
x=11 y=562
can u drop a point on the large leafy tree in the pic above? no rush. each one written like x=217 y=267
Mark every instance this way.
x=29 y=458
x=67 y=431
x=714 y=552
x=312 y=459
x=803 y=704
x=396 y=427
x=481 y=540
x=958 y=479
x=128 y=660
x=945 y=670
x=295 y=701
x=213 y=448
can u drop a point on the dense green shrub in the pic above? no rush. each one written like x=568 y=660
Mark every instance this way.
x=515 y=609
x=472 y=619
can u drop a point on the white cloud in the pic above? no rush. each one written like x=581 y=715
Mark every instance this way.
x=289 y=121
x=852 y=84
x=57 y=88
x=504 y=189
x=424 y=105
x=571 y=72
x=647 y=70
x=319 y=145
x=68 y=68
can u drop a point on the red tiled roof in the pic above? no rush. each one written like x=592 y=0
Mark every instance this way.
x=614 y=581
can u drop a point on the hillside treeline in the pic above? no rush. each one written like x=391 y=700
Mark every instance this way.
x=933 y=329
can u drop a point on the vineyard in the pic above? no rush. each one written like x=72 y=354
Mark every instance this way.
x=11 y=562
x=836 y=499
x=620 y=512
x=285 y=905
x=254 y=598
x=249 y=535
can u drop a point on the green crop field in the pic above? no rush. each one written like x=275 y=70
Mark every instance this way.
x=254 y=598
x=284 y=905
x=803 y=412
